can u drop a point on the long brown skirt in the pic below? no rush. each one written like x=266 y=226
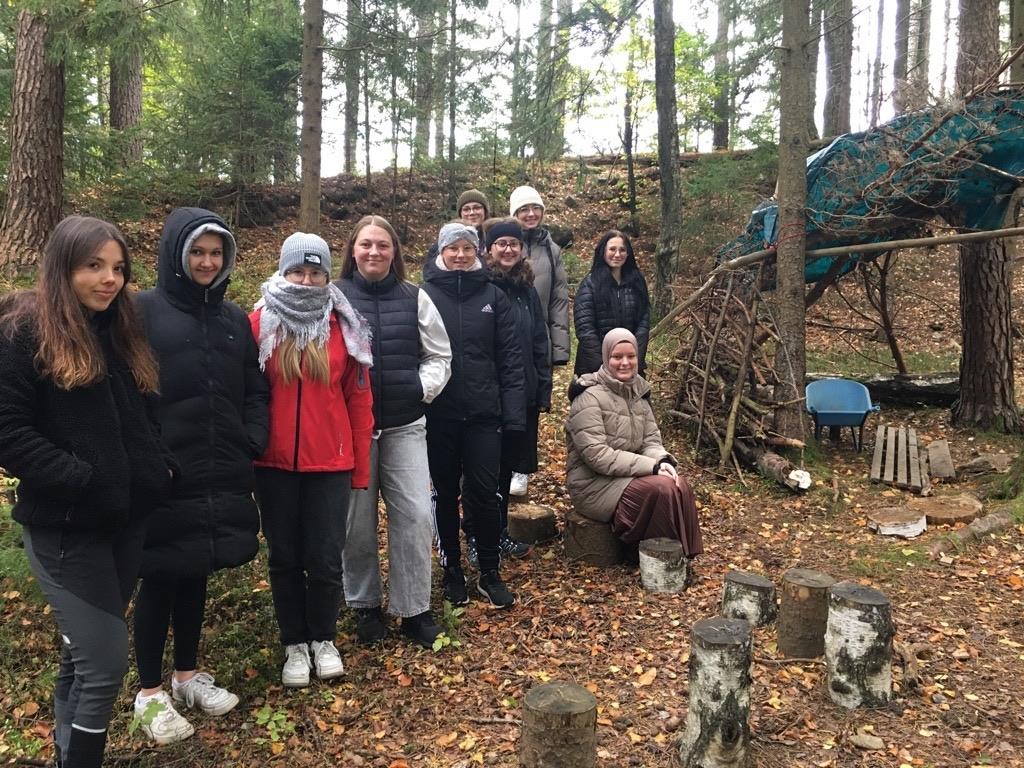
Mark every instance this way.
x=656 y=506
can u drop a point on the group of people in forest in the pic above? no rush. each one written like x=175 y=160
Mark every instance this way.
x=155 y=434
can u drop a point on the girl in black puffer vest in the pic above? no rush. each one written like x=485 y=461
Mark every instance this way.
x=77 y=427
x=612 y=295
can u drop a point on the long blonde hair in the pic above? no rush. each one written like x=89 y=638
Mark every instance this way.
x=294 y=363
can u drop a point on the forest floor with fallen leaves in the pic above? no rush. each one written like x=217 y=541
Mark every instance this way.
x=403 y=707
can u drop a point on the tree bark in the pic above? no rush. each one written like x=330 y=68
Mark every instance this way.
x=559 y=727
x=35 y=175
x=350 y=62
x=900 y=57
x=453 y=70
x=628 y=141
x=814 y=32
x=838 y=67
x=750 y=597
x=790 y=358
x=876 y=79
x=540 y=112
x=720 y=135
x=986 y=269
x=918 y=75
x=424 y=85
x=312 y=113
x=126 y=93
x=1016 y=39
x=440 y=90
x=668 y=154
x=858 y=646
x=516 y=140
x=803 y=613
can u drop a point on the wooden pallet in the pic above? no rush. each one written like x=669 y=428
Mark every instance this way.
x=897 y=459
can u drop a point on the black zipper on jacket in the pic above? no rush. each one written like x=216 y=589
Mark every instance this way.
x=212 y=432
x=298 y=416
x=462 y=345
x=376 y=374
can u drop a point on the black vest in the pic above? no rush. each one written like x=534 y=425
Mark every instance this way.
x=391 y=307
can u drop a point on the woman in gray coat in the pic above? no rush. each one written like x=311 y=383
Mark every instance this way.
x=618 y=470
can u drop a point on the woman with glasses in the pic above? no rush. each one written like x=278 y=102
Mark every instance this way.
x=510 y=271
x=612 y=295
x=315 y=350
x=550 y=280
x=483 y=399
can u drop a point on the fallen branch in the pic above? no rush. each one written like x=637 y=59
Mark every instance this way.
x=980 y=528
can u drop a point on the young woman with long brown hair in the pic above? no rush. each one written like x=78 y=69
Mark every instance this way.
x=77 y=428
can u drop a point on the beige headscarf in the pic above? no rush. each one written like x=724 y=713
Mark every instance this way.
x=613 y=337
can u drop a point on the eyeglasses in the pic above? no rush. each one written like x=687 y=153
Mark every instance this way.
x=508 y=245
x=463 y=250
x=472 y=208
x=533 y=208
x=309 y=275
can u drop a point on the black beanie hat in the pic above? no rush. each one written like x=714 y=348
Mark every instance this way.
x=503 y=229
x=472 y=196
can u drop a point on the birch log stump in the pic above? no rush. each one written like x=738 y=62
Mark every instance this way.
x=663 y=566
x=559 y=727
x=531 y=523
x=858 y=646
x=803 y=613
x=717 y=728
x=749 y=597
x=591 y=541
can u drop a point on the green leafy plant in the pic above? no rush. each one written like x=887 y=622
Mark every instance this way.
x=277 y=722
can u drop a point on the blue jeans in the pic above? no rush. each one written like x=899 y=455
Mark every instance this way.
x=399 y=475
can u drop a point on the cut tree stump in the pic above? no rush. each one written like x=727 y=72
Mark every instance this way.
x=947 y=510
x=904 y=522
x=803 y=613
x=559 y=727
x=858 y=646
x=591 y=541
x=531 y=523
x=663 y=566
x=941 y=463
x=749 y=597
x=717 y=725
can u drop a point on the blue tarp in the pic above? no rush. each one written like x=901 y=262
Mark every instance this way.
x=963 y=171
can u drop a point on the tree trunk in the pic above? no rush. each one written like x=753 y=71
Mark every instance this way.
x=838 y=67
x=1016 y=38
x=918 y=75
x=350 y=62
x=628 y=140
x=750 y=597
x=858 y=646
x=876 y=80
x=560 y=90
x=814 y=32
x=720 y=136
x=440 y=91
x=312 y=113
x=126 y=103
x=453 y=71
x=424 y=86
x=35 y=175
x=668 y=155
x=540 y=111
x=986 y=269
x=559 y=727
x=516 y=140
x=789 y=293
x=803 y=613
x=899 y=61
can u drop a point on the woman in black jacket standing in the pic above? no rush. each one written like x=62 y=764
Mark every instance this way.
x=483 y=398
x=213 y=414
x=510 y=271
x=78 y=430
x=612 y=295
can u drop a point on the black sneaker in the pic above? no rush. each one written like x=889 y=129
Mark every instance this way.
x=422 y=629
x=471 y=554
x=509 y=547
x=370 y=625
x=454 y=581
x=493 y=588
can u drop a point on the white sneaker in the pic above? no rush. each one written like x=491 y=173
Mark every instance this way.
x=199 y=691
x=327 y=660
x=159 y=720
x=520 y=484
x=295 y=673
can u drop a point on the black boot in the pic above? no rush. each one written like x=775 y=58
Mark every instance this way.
x=85 y=749
x=421 y=628
x=454 y=581
x=370 y=625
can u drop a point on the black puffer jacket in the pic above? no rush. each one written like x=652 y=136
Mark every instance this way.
x=530 y=328
x=89 y=458
x=625 y=306
x=213 y=412
x=487 y=363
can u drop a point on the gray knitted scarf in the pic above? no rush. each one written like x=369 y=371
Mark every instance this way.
x=304 y=313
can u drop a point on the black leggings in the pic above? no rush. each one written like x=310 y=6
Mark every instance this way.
x=165 y=601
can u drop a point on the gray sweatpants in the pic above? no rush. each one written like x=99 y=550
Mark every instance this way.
x=88 y=578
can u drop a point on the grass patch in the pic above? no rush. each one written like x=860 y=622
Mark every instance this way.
x=882 y=563
x=842 y=361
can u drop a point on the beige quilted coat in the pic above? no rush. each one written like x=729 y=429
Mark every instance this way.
x=612 y=438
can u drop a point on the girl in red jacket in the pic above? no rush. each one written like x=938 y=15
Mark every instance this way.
x=315 y=350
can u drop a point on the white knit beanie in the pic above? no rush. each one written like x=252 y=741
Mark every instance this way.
x=523 y=196
x=304 y=249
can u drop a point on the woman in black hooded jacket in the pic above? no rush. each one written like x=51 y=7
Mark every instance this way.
x=213 y=413
x=613 y=295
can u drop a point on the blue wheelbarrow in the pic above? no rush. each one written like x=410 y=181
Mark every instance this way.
x=838 y=403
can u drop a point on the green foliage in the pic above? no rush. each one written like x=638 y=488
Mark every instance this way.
x=277 y=721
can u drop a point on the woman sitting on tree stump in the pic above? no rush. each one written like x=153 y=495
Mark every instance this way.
x=618 y=471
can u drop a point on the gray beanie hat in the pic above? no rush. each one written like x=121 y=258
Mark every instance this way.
x=454 y=231
x=304 y=249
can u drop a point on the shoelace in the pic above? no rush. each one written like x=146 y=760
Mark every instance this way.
x=199 y=680
x=327 y=649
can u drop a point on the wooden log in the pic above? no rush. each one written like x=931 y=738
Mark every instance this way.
x=531 y=523
x=803 y=613
x=717 y=722
x=939 y=460
x=559 y=727
x=749 y=597
x=897 y=521
x=663 y=566
x=591 y=541
x=980 y=528
x=772 y=466
x=858 y=646
x=937 y=389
